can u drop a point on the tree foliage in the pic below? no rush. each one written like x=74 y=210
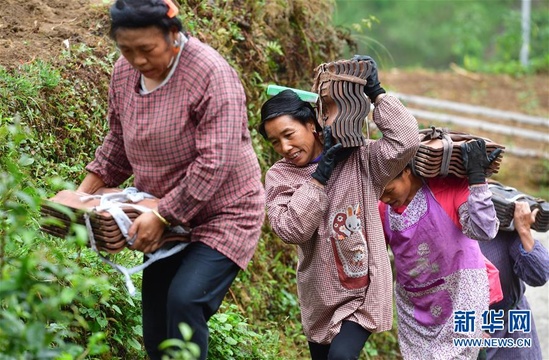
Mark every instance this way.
x=479 y=35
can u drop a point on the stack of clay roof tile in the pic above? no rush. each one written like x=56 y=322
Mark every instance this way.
x=342 y=103
x=504 y=198
x=68 y=207
x=439 y=153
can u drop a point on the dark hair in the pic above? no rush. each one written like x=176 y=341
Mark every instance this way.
x=410 y=166
x=287 y=102
x=135 y=14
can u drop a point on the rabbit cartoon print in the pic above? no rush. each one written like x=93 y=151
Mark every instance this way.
x=349 y=247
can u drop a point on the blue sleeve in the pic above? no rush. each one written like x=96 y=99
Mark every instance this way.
x=532 y=267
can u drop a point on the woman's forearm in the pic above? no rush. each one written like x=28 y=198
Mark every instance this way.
x=91 y=183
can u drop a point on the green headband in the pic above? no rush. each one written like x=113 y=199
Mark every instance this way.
x=303 y=95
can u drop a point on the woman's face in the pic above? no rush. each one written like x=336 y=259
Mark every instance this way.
x=296 y=142
x=147 y=50
x=401 y=190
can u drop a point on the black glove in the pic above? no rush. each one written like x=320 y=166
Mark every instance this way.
x=475 y=160
x=344 y=154
x=372 y=88
x=328 y=160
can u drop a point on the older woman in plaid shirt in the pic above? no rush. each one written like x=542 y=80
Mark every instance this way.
x=178 y=124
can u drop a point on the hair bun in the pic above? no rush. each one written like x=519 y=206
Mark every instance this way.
x=135 y=14
x=138 y=10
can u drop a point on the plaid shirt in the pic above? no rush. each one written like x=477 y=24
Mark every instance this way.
x=343 y=274
x=188 y=144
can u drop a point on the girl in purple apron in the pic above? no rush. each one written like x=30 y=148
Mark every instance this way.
x=429 y=225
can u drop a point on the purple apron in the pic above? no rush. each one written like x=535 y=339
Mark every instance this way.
x=426 y=252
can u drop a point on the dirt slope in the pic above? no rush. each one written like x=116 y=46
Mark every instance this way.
x=37 y=28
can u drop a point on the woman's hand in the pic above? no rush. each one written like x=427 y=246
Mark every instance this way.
x=475 y=160
x=373 y=88
x=523 y=218
x=146 y=232
x=329 y=160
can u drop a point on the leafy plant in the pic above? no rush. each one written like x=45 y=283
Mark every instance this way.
x=36 y=305
x=176 y=349
x=232 y=338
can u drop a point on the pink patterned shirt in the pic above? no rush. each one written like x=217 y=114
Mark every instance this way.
x=188 y=144
x=344 y=271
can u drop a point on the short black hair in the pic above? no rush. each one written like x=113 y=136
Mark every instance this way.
x=135 y=14
x=287 y=102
